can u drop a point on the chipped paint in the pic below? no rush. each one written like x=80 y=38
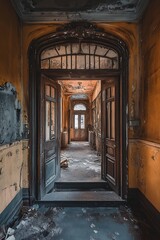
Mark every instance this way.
x=95 y=10
x=13 y=171
x=78 y=223
x=144 y=169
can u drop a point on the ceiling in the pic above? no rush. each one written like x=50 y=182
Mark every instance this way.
x=78 y=87
x=69 y=10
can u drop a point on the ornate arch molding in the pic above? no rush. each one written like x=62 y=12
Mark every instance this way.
x=78 y=31
x=75 y=31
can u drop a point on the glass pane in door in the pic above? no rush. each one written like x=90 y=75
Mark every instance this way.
x=52 y=119
x=82 y=121
x=76 y=121
x=108 y=117
x=113 y=120
x=48 y=121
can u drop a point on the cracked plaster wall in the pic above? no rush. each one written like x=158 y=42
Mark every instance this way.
x=13 y=173
x=144 y=156
x=13 y=157
x=96 y=98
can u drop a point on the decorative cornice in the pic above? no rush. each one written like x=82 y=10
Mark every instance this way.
x=26 y=9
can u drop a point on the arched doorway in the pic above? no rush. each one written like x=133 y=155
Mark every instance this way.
x=78 y=51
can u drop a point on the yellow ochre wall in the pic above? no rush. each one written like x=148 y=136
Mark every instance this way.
x=13 y=166
x=144 y=158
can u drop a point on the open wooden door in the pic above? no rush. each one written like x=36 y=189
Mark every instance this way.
x=110 y=133
x=49 y=135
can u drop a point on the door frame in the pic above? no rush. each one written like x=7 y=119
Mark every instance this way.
x=69 y=33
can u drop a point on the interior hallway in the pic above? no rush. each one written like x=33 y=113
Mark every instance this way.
x=83 y=163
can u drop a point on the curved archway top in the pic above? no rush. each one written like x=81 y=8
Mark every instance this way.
x=81 y=30
x=79 y=107
x=79 y=55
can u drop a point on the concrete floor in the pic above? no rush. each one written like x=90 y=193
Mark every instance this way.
x=83 y=163
x=78 y=224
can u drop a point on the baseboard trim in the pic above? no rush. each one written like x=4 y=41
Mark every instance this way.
x=13 y=209
x=25 y=196
x=136 y=197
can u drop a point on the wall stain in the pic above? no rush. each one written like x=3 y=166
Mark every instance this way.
x=9 y=154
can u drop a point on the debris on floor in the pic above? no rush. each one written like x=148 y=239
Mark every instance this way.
x=7 y=235
x=83 y=162
x=64 y=163
x=47 y=223
x=2 y=233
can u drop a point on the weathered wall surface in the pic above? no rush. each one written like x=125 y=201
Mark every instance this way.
x=150 y=36
x=11 y=155
x=145 y=168
x=10 y=42
x=95 y=137
x=97 y=90
x=150 y=44
x=145 y=153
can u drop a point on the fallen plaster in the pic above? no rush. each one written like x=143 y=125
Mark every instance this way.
x=83 y=163
x=75 y=224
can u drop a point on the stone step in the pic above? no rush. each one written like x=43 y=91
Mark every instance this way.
x=82 y=199
x=81 y=186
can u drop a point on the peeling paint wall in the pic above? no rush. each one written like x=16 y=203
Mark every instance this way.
x=150 y=44
x=64 y=119
x=13 y=168
x=145 y=169
x=96 y=118
x=145 y=154
x=11 y=165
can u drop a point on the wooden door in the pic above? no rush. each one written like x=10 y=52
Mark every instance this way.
x=79 y=126
x=110 y=133
x=49 y=112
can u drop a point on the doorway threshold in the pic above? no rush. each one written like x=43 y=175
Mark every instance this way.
x=81 y=186
x=82 y=199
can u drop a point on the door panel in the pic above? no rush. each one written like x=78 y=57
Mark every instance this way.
x=49 y=132
x=79 y=126
x=110 y=132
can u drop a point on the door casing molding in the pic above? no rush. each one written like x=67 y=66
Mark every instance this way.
x=74 y=32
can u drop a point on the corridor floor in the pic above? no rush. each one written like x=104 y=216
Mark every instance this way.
x=83 y=163
x=77 y=224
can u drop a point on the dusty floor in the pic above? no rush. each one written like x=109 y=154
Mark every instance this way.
x=78 y=224
x=83 y=163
